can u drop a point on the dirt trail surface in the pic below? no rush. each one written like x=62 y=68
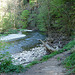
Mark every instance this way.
x=51 y=67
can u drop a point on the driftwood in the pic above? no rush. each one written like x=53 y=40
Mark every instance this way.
x=48 y=48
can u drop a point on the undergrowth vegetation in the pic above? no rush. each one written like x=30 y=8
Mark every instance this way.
x=6 y=64
x=9 y=31
x=70 y=63
x=43 y=15
x=46 y=57
x=3 y=35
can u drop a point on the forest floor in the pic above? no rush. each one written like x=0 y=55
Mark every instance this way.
x=53 y=66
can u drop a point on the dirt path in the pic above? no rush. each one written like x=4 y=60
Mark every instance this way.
x=51 y=67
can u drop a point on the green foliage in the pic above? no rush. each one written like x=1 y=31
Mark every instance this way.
x=11 y=31
x=58 y=58
x=6 y=64
x=21 y=29
x=3 y=45
x=70 y=63
x=69 y=45
x=7 y=22
x=43 y=17
x=3 y=34
x=24 y=17
x=56 y=14
x=31 y=64
x=42 y=27
x=24 y=2
x=46 y=57
x=45 y=14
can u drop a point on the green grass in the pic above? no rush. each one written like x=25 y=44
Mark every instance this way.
x=6 y=64
x=32 y=63
x=58 y=58
x=70 y=63
x=21 y=29
x=46 y=57
x=6 y=61
x=4 y=68
x=9 y=31
x=3 y=35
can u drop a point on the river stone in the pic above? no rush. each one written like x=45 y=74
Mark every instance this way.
x=28 y=56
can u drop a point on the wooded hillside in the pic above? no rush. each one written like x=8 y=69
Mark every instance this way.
x=45 y=15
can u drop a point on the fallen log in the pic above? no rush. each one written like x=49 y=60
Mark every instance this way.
x=48 y=48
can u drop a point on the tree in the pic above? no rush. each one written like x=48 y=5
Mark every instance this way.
x=56 y=14
x=24 y=17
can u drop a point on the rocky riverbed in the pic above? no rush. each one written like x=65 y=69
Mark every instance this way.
x=25 y=51
x=26 y=57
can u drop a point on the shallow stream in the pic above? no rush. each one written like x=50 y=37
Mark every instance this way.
x=26 y=43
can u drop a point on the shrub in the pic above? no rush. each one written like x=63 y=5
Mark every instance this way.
x=70 y=63
x=24 y=17
x=6 y=61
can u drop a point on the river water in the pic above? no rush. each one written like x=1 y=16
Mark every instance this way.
x=26 y=43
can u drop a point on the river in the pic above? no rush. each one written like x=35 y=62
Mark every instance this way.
x=26 y=49
x=26 y=43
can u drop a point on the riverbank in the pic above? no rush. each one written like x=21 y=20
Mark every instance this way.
x=46 y=59
x=27 y=57
x=53 y=66
x=13 y=34
x=38 y=53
